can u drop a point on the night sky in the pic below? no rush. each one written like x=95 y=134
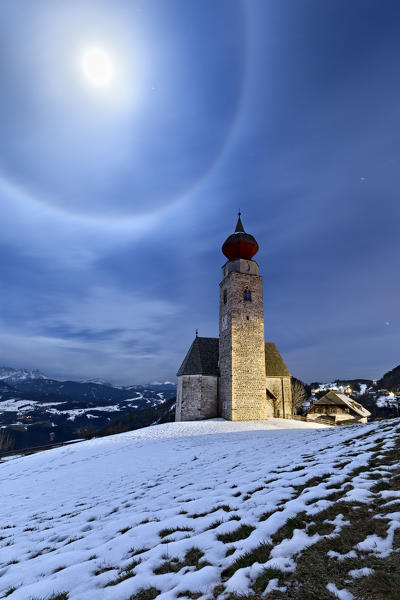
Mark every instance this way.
x=116 y=198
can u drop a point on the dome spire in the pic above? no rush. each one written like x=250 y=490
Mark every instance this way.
x=240 y=244
x=239 y=225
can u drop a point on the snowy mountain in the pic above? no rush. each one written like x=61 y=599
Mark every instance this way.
x=211 y=509
x=99 y=381
x=10 y=375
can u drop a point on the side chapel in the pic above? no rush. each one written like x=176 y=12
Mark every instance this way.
x=237 y=376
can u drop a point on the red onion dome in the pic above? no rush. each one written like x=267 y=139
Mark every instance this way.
x=240 y=244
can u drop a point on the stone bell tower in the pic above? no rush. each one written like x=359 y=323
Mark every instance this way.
x=242 y=386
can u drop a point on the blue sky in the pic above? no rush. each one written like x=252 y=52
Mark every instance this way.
x=116 y=199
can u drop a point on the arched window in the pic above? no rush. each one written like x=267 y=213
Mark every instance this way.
x=247 y=295
x=225 y=296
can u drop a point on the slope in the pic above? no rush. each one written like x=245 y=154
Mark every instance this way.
x=206 y=509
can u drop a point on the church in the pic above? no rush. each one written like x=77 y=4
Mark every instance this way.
x=237 y=376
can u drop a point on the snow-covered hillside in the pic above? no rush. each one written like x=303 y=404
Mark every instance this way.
x=208 y=509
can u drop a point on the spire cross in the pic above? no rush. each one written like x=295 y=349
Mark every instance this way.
x=197 y=332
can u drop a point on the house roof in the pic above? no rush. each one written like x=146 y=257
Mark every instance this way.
x=337 y=399
x=274 y=364
x=202 y=357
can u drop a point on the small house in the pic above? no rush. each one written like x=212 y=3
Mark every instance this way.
x=338 y=408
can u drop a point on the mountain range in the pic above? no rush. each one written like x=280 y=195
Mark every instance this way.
x=36 y=410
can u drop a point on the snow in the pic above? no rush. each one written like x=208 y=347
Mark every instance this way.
x=341 y=594
x=26 y=406
x=72 y=511
x=357 y=573
x=273 y=585
x=385 y=400
x=294 y=545
x=21 y=406
x=381 y=546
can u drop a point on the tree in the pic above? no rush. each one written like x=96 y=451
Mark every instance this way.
x=89 y=432
x=7 y=442
x=300 y=393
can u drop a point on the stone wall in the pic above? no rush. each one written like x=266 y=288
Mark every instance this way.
x=242 y=347
x=197 y=397
x=281 y=388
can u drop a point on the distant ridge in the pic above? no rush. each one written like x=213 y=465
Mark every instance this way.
x=391 y=380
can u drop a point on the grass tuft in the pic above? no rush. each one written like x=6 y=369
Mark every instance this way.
x=124 y=530
x=285 y=532
x=259 y=554
x=241 y=533
x=215 y=524
x=192 y=558
x=104 y=569
x=146 y=594
x=165 y=532
x=262 y=580
x=58 y=569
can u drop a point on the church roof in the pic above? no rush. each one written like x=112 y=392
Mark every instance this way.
x=337 y=399
x=202 y=357
x=274 y=364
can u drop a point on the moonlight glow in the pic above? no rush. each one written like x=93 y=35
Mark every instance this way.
x=97 y=67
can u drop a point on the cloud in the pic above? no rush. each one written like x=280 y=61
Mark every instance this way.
x=107 y=333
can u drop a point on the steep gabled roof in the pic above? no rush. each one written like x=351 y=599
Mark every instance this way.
x=337 y=399
x=274 y=364
x=202 y=358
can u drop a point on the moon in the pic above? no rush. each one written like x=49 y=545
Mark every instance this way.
x=97 y=67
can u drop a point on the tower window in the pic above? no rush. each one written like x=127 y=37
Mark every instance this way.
x=225 y=296
x=247 y=295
